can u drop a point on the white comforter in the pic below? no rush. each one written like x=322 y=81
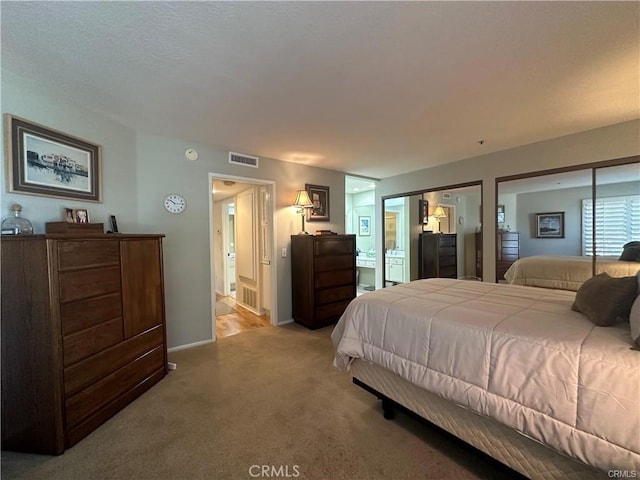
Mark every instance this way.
x=516 y=354
x=566 y=273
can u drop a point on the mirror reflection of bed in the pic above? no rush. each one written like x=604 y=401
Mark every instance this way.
x=567 y=260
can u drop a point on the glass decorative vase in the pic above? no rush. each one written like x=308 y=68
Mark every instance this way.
x=16 y=224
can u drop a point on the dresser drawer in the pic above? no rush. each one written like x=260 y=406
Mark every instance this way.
x=447 y=252
x=80 y=375
x=447 y=261
x=447 y=241
x=333 y=262
x=334 y=278
x=101 y=393
x=510 y=236
x=501 y=269
x=331 y=311
x=330 y=295
x=79 y=284
x=85 y=313
x=87 y=253
x=92 y=340
x=332 y=246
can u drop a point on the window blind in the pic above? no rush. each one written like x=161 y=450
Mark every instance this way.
x=617 y=221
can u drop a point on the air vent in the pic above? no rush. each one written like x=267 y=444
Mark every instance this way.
x=246 y=160
x=446 y=196
x=249 y=297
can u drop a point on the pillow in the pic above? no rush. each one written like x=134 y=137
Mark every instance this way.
x=634 y=320
x=603 y=298
x=630 y=252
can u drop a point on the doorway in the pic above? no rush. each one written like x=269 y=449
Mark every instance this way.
x=244 y=291
x=360 y=221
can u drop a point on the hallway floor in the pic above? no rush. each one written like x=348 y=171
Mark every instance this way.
x=238 y=320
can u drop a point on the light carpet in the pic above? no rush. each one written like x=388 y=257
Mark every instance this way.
x=265 y=399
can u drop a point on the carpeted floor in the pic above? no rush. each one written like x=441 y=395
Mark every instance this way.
x=268 y=397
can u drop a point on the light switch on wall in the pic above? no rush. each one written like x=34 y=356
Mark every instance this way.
x=284 y=252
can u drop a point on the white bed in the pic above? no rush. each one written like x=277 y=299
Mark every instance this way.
x=509 y=369
x=565 y=273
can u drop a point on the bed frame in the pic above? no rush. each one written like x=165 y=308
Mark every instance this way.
x=511 y=448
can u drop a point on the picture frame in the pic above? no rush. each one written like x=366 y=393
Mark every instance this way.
x=364 y=226
x=69 y=216
x=51 y=163
x=76 y=215
x=81 y=215
x=500 y=214
x=550 y=225
x=423 y=209
x=319 y=196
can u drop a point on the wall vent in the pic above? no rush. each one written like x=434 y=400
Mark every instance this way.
x=241 y=159
x=446 y=196
x=249 y=297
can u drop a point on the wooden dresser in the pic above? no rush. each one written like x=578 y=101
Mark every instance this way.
x=323 y=277
x=83 y=333
x=437 y=255
x=508 y=252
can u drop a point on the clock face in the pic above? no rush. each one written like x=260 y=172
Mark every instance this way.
x=175 y=203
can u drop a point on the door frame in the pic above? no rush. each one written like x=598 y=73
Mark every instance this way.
x=226 y=289
x=271 y=185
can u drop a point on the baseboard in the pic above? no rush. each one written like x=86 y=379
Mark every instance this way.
x=284 y=322
x=189 y=345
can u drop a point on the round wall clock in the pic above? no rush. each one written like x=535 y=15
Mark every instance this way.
x=175 y=203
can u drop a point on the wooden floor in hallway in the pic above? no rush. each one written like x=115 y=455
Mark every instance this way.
x=238 y=320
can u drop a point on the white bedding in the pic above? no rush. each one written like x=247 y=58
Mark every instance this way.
x=565 y=273
x=516 y=354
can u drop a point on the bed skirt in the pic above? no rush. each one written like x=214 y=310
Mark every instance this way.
x=506 y=445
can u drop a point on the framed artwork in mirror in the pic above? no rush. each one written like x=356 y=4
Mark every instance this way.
x=423 y=207
x=364 y=226
x=550 y=225
x=500 y=214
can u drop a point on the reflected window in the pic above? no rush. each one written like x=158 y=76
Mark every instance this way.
x=617 y=222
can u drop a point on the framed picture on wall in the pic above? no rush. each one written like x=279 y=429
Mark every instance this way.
x=500 y=214
x=319 y=196
x=364 y=226
x=50 y=163
x=550 y=225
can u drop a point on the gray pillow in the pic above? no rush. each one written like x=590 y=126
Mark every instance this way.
x=604 y=299
x=630 y=252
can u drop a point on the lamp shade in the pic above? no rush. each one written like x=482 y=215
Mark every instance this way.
x=439 y=212
x=302 y=199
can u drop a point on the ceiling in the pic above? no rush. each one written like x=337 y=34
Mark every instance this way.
x=368 y=88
